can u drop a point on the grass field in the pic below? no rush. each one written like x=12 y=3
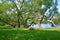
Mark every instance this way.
x=8 y=34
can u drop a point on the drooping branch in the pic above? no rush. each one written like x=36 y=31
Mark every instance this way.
x=7 y=22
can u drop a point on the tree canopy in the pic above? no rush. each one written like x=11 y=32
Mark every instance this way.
x=27 y=12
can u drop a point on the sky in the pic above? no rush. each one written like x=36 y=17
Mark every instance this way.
x=58 y=6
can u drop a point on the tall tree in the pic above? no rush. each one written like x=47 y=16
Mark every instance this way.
x=21 y=11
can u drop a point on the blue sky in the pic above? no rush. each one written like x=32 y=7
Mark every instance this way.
x=58 y=6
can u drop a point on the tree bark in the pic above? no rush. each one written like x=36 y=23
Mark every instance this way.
x=41 y=20
x=18 y=20
x=54 y=24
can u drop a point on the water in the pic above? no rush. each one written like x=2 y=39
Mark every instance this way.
x=44 y=25
x=58 y=25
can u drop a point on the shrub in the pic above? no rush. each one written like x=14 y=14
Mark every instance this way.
x=6 y=27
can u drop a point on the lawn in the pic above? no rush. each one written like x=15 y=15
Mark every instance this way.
x=8 y=34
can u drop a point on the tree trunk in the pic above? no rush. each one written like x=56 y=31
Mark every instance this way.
x=18 y=19
x=54 y=24
x=39 y=24
x=39 y=20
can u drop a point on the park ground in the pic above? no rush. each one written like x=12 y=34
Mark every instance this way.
x=26 y=34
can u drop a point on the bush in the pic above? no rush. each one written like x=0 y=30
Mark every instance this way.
x=6 y=27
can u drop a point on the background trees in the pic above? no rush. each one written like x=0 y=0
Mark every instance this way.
x=27 y=12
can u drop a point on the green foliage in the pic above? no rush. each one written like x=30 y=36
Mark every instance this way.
x=2 y=23
x=57 y=19
x=6 y=27
x=24 y=11
x=44 y=21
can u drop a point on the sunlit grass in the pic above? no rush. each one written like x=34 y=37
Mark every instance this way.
x=26 y=34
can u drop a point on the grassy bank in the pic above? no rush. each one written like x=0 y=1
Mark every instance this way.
x=29 y=34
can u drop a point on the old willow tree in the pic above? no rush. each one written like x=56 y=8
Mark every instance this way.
x=26 y=12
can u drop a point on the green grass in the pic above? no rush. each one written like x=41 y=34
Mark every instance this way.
x=14 y=34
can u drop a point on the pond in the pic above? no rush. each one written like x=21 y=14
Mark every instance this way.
x=48 y=25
